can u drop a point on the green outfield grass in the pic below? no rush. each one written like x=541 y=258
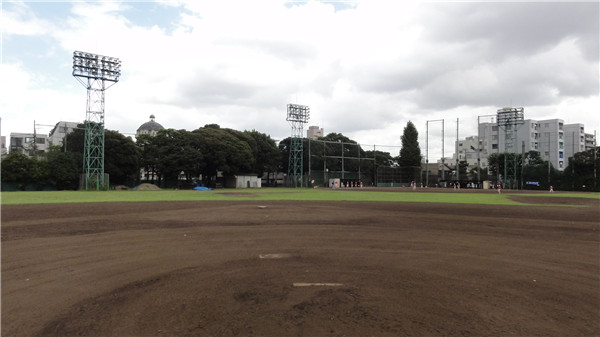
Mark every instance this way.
x=17 y=198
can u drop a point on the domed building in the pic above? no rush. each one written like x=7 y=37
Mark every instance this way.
x=149 y=128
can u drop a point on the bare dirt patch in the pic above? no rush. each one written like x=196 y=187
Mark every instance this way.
x=400 y=269
x=540 y=200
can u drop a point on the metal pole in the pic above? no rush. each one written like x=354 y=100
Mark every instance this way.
x=358 y=147
x=595 y=166
x=478 y=155
x=548 y=158
x=374 y=166
x=443 y=161
x=522 y=161
x=324 y=165
x=573 y=162
x=343 y=161
x=427 y=153
x=457 y=159
x=309 y=176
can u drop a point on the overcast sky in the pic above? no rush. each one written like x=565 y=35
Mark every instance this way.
x=365 y=68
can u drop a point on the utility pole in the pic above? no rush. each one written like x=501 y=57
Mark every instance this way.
x=522 y=161
x=457 y=159
x=573 y=162
x=548 y=158
x=427 y=154
x=595 y=166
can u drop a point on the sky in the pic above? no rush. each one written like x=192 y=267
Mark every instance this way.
x=365 y=68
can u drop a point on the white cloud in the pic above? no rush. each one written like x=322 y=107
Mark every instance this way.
x=364 y=71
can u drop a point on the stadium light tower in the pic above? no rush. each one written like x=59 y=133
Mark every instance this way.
x=510 y=119
x=93 y=72
x=297 y=116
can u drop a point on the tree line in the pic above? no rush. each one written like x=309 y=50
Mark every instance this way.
x=173 y=157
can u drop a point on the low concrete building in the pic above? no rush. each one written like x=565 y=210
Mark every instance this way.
x=243 y=181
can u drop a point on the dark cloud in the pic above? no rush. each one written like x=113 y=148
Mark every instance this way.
x=514 y=28
x=487 y=54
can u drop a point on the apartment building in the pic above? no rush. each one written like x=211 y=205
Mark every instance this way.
x=28 y=143
x=314 y=132
x=467 y=151
x=552 y=138
x=60 y=131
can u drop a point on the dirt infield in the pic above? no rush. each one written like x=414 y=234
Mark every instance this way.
x=300 y=269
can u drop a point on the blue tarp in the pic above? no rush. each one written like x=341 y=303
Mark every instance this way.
x=202 y=188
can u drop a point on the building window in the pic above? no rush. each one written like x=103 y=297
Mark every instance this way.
x=547 y=154
x=40 y=140
x=560 y=164
x=494 y=146
x=561 y=145
x=560 y=155
x=17 y=141
x=495 y=128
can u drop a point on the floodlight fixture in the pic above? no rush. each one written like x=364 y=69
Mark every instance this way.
x=298 y=113
x=95 y=66
x=508 y=117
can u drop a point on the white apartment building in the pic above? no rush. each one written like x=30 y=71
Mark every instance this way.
x=574 y=139
x=314 y=132
x=552 y=138
x=467 y=151
x=590 y=141
x=28 y=143
x=3 y=149
x=60 y=131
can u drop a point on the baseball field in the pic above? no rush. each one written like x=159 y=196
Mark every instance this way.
x=300 y=262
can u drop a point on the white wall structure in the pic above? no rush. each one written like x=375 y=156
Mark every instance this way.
x=243 y=181
x=467 y=151
x=314 y=132
x=574 y=135
x=60 y=131
x=27 y=143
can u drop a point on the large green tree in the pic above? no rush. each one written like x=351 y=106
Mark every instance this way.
x=582 y=171
x=17 y=169
x=63 y=173
x=410 y=153
x=223 y=151
x=121 y=155
x=265 y=151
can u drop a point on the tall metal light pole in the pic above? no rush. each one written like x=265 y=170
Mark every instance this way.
x=457 y=159
x=510 y=119
x=93 y=72
x=479 y=148
x=427 y=149
x=297 y=116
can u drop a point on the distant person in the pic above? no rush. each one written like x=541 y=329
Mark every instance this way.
x=551 y=189
x=499 y=189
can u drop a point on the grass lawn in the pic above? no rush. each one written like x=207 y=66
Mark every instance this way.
x=16 y=198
